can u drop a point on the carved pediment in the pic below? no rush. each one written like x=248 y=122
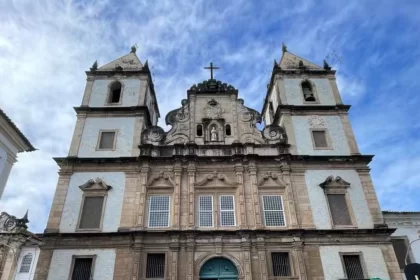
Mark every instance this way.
x=271 y=179
x=95 y=185
x=334 y=183
x=161 y=180
x=216 y=179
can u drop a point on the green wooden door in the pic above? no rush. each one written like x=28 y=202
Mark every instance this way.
x=219 y=269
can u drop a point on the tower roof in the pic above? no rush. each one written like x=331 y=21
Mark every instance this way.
x=129 y=61
x=291 y=61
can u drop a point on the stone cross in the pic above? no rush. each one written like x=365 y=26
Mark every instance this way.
x=211 y=67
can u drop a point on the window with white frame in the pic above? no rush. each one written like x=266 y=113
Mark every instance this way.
x=273 y=211
x=227 y=210
x=25 y=265
x=159 y=206
x=205 y=209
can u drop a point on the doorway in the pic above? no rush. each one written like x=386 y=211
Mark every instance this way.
x=218 y=269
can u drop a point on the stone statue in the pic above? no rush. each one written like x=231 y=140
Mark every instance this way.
x=213 y=134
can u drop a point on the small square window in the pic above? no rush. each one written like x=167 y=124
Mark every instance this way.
x=106 y=141
x=320 y=138
x=155 y=266
x=82 y=269
x=353 y=266
x=281 y=264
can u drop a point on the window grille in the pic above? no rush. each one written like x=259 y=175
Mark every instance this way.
x=159 y=211
x=91 y=212
x=320 y=139
x=206 y=211
x=281 y=264
x=353 y=267
x=155 y=267
x=107 y=140
x=82 y=269
x=273 y=211
x=25 y=265
x=339 y=210
x=227 y=210
x=400 y=248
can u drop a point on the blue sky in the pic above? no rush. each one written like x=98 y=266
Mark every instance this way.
x=46 y=46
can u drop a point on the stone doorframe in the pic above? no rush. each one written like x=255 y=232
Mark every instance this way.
x=203 y=259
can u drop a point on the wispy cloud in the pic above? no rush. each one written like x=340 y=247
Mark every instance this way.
x=47 y=45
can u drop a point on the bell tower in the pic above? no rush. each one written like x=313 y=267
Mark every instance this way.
x=118 y=103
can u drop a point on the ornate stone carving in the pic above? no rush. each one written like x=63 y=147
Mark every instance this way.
x=95 y=185
x=212 y=86
x=215 y=176
x=248 y=132
x=316 y=122
x=153 y=134
x=163 y=178
x=9 y=223
x=178 y=118
x=274 y=133
x=213 y=110
x=334 y=183
x=271 y=179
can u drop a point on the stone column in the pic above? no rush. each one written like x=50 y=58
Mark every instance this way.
x=88 y=91
x=176 y=224
x=348 y=131
x=77 y=134
x=137 y=268
x=191 y=195
x=262 y=257
x=129 y=209
x=141 y=195
x=298 y=260
x=285 y=170
x=174 y=249
x=239 y=171
x=255 y=196
x=190 y=256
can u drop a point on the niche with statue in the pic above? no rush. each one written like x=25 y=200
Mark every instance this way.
x=214 y=130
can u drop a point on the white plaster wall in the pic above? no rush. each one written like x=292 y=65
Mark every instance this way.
x=130 y=93
x=125 y=135
x=336 y=135
x=412 y=234
x=294 y=93
x=372 y=257
x=62 y=259
x=30 y=275
x=4 y=170
x=273 y=98
x=113 y=203
x=318 y=200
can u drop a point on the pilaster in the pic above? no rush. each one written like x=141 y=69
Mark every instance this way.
x=370 y=195
x=129 y=210
x=239 y=171
x=190 y=256
x=141 y=195
x=252 y=168
x=262 y=256
x=299 y=263
x=88 y=91
x=177 y=196
x=174 y=250
x=77 y=134
x=191 y=195
x=351 y=139
x=285 y=170
x=246 y=256
x=304 y=210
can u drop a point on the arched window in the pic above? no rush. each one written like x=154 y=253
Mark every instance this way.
x=199 y=130
x=308 y=93
x=227 y=128
x=115 y=92
x=25 y=265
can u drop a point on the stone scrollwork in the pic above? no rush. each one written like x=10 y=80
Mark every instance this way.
x=153 y=135
x=274 y=134
x=153 y=181
x=95 y=185
x=334 y=183
x=213 y=110
x=215 y=176
x=9 y=223
x=273 y=177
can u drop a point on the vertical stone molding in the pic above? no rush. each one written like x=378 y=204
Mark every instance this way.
x=191 y=195
x=303 y=206
x=252 y=168
x=351 y=139
x=370 y=196
x=141 y=196
x=176 y=224
x=129 y=210
x=57 y=206
x=43 y=266
x=239 y=171
x=285 y=171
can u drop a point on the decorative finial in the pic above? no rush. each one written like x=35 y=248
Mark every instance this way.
x=133 y=49
x=25 y=218
x=275 y=63
x=94 y=66
x=284 y=47
x=326 y=65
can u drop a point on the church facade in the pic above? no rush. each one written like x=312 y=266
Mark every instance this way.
x=214 y=197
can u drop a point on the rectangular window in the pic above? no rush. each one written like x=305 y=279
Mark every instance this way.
x=353 y=267
x=281 y=264
x=273 y=211
x=320 y=139
x=91 y=212
x=205 y=214
x=155 y=267
x=339 y=210
x=82 y=269
x=106 y=140
x=159 y=211
x=400 y=248
x=227 y=211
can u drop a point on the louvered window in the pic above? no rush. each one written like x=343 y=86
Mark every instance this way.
x=82 y=269
x=106 y=141
x=91 y=212
x=159 y=211
x=320 y=139
x=25 y=265
x=400 y=248
x=339 y=210
x=205 y=211
x=227 y=210
x=353 y=267
x=273 y=211
x=281 y=264
x=155 y=267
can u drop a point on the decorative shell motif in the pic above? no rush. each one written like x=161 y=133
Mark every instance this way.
x=274 y=133
x=153 y=134
x=316 y=122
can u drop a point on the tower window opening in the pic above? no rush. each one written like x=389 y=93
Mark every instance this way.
x=308 y=93
x=115 y=92
x=228 y=131
x=199 y=130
